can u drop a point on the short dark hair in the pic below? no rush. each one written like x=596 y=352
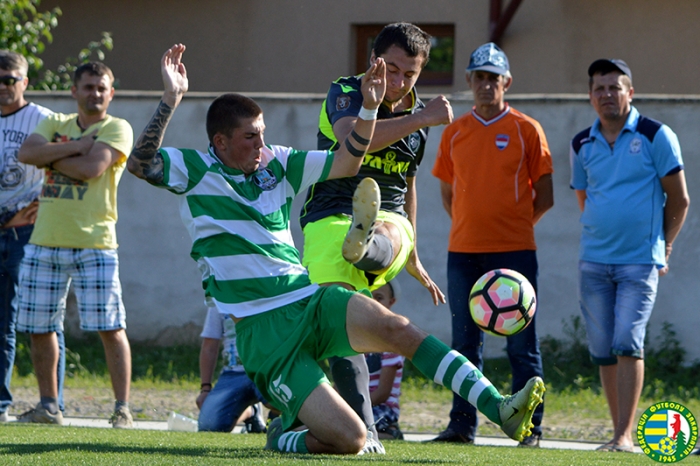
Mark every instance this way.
x=94 y=68
x=409 y=37
x=13 y=61
x=227 y=111
x=625 y=79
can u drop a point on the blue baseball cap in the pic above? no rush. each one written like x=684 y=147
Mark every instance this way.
x=605 y=66
x=489 y=57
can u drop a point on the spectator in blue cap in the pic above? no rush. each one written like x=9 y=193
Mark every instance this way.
x=495 y=177
x=627 y=171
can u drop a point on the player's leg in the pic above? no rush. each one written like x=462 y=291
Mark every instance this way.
x=370 y=245
x=100 y=307
x=373 y=328
x=302 y=392
x=334 y=427
x=351 y=379
x=323 y=241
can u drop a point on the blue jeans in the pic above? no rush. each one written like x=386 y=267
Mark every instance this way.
x=463 y=270
x=232 y=394
x=12 y=241
x=616 y=303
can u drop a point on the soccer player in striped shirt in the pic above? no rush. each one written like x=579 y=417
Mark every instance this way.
x=236 y=201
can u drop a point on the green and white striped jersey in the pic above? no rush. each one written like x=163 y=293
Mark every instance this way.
x=239 y=224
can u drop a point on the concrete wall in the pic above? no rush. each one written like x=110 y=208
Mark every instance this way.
x=302 y=45
x=162 y=285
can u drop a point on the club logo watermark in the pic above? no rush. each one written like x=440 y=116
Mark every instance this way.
x=667 y=432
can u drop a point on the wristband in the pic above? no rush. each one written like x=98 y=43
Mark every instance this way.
x=205 y=385
x=368 y=115
x=204 y=391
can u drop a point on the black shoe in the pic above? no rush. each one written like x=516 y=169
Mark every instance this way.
x=696 y=452
x=392 y=431
x=449 y=435
x=254 y=424
x=531 y=441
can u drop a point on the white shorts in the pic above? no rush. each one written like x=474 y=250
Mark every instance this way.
x=44 y=277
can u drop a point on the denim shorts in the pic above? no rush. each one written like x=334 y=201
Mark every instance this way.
x=616 y=302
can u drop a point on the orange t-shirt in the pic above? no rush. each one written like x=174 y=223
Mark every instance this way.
x=491 y=166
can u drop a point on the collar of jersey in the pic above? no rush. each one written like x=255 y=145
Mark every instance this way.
x=386 y=113
x=630 y=124
x=484 y=122
x=228 y=170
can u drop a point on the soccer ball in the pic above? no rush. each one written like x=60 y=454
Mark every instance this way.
x=667 y=446
x=502 y=302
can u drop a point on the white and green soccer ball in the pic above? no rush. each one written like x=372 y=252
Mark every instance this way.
x=502 y=302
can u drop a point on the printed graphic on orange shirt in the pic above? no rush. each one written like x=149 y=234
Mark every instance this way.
x=502 y=141
x=667 y=432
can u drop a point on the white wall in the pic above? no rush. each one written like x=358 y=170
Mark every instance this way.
x=161 y=283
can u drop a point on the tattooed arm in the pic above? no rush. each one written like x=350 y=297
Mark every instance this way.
x=145 y=160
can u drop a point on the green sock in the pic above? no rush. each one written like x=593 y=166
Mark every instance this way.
x=292 y=442
x=452 y=370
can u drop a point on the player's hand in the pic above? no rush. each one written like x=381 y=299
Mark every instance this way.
x=174 y=74
x=200 y=399
x=437 y=112
x=416 y=270
x=374 y=85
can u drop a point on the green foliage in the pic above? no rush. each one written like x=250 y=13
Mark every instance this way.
x=26 y=30
x=23 y=29
x=85 y=358
x=62 y=78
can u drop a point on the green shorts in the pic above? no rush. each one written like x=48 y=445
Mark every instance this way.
x=323 y=256
x=280 y=349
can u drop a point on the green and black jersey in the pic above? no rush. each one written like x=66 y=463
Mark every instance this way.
x=389 y=167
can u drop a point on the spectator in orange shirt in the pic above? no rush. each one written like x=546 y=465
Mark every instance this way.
x=495 y=168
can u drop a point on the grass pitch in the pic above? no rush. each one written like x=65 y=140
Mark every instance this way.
x=48 y=445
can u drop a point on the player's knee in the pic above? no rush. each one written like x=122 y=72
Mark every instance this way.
x=351 y=441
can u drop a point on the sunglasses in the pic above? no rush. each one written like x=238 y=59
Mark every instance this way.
x=10 y=80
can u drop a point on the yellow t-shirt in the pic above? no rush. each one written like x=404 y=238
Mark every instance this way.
x=75 y=213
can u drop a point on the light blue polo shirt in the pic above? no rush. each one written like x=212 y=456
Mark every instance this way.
x=624 y=211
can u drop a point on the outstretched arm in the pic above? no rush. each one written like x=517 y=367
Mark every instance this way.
x=436 y=112
x=349 y=156
x=414 y=266
x=145 y=161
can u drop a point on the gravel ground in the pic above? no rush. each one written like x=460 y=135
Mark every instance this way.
x=147 y=405
x=156 y=405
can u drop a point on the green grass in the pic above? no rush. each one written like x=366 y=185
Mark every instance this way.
x=24 y=444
